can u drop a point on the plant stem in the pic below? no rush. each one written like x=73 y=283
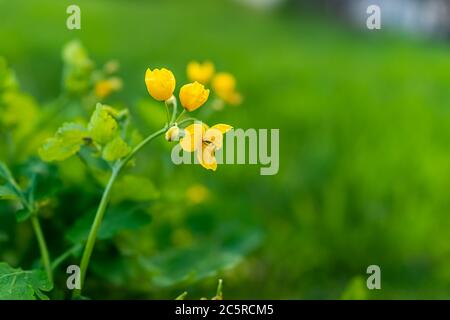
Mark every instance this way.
x=94 y=230
x=102 y=208
x=42 y=247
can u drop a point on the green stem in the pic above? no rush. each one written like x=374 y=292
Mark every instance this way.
x=187 y=120
x=174 y=112
x=181 y=114
x=73 y=250
x=102 y=208
x=42 y=247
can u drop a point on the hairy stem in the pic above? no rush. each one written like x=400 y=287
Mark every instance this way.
x=42 y=247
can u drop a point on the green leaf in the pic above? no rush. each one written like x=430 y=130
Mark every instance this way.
x=67 y=142
x=355 y=290
x=116 y=220
x=18 y=284
x=115 y=149
x=134 y=188
x=22 y=215
x=5 y=173
x=189 y=264
x=202 y=260
x=8 y=193
x=7 y=78
x=102 y=126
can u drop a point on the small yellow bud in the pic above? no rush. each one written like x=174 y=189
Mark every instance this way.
x=224 y=85
x=104 y=88
x=193 y=96
x=173 y=134
x=160 y=83
x=201 y=72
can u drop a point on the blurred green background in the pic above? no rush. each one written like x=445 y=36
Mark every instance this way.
x=364 y=121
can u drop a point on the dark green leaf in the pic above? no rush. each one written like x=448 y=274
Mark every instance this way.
x=202 y=260
x=18 y=284
x=22 y=215
x=116 y=219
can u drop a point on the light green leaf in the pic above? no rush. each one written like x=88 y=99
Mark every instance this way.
x=116 y=220
x=18 y=284
x=134 y=188
x=102 y=126
x=355 y=290
x=66 y=142
x=115 y=149
x=8 y=80
x=8 y=193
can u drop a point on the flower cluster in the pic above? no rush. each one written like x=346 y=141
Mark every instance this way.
x=197 y=137
x=222 y=83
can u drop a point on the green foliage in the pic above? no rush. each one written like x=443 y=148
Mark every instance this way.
x=102 y=126
x=364 y=130
x=17 y=284
x=66 y=142
x=115 y=149
x=135 y=188
x=116 y=219
x=8 y=193
x=356 y=290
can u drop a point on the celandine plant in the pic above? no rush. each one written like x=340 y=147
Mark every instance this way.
x=106 y=143
x=106 y=137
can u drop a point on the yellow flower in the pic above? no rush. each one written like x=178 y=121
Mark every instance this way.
x=197 y=193
x=193 y=96
x=201 y=72
x=205 y=141
x=104 y=88
x=224 y=85
x=160 y=83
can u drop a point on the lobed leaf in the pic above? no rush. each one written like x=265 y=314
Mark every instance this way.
x=115 y=149
x=67 y=142
x=102 y=125
x=18 y=284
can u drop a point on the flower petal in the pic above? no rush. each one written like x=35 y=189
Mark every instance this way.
x=193 y=136
x=206 y=157
x=224 y=128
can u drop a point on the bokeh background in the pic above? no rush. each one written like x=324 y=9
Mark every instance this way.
x=364 y=119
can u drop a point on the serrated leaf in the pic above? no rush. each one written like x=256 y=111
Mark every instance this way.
x=115 y=149
x=102 y=125
x=116 y=220
x=136 y=188
x=66 y=142
x=8 y=193
x=18 y=284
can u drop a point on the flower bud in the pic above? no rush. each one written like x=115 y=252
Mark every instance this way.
x=193 y=96
x=201 y=72
x=160 y=83
x=173 y=134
